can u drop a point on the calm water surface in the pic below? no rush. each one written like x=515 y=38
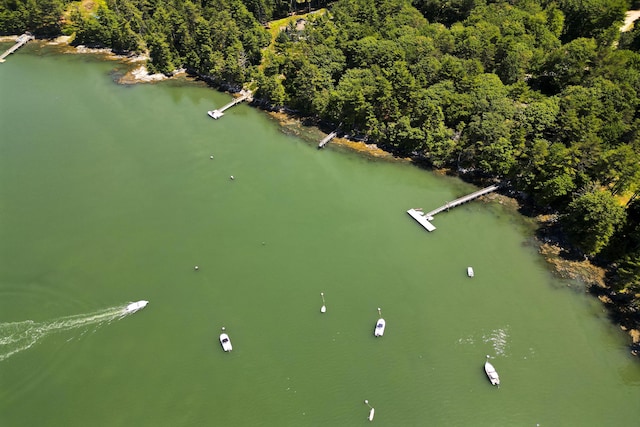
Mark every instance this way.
x=108 y=195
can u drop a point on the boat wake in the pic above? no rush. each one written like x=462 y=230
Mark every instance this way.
x=497 y=338
x=19 y=336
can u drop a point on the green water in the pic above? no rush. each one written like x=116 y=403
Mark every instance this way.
x=108 y=195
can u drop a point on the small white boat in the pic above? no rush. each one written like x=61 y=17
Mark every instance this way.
x=491 y=373
x=470 y=271
x=135 y=306
x=323 y=309
x=215 y=114
x=372 y=410
x=380 y=325
x=226 y=342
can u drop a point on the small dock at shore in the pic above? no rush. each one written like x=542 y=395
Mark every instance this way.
x=216 y=114
x=327 y=139
x=425 y=218
x=20 y=41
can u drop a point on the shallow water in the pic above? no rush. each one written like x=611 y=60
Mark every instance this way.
x=108 y=195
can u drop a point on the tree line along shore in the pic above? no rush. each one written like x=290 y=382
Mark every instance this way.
x=542 y=95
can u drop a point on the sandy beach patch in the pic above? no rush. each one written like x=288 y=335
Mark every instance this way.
x=140 y=74
x=61 y=40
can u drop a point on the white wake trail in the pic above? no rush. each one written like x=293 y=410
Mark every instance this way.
x=19 y=336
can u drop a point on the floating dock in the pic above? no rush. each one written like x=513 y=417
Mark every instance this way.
x=425 y=218
x=216 y=114
x=20 y=41
x=419 y=216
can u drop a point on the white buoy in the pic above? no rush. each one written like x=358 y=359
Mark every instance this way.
x=379 y=312
x=232 y=178
x=372 y=410
x=196 y=267
x=211 y=157
x=323 y=309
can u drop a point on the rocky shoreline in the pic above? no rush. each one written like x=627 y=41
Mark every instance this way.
x=580 y=273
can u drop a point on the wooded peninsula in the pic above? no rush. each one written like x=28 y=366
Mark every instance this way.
x=540 y=95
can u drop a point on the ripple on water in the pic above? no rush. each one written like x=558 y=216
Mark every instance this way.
x=498 y=339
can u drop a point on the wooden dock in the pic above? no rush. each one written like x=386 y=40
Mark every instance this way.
x=216 y=114
x=425 y=218
x=20 y=41
x=328 y=138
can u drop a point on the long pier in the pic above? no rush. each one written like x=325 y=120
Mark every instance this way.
x=425 y=218
x=20 y=41
x=216 y=114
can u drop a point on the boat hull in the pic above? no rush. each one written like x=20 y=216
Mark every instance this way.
x=225 y=342
x=379 y=329
x=135 y=306
x=491 y=373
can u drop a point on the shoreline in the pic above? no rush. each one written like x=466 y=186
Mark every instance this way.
x=549 y=247
x=581 y=275
x=138 y=74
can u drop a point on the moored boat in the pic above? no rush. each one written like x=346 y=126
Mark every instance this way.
x=491 y=373
x=225 y=341
x=379 y=330
x=470 y=272
x=380 y=325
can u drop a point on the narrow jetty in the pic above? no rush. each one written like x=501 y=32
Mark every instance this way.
x=328 y=138
x=216 y=114
x=425 y=218
x=20 y=41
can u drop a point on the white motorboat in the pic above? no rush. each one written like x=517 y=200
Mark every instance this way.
x=215 y=114
x=372 y=410
x=491 y=373
x=135 y=306
x=379 y=331
x=380 y=325
x=226 y=342
x=470 y=271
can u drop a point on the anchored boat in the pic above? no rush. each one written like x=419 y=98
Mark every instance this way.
x=380 y=325
x=225 y=341
x=491 y=373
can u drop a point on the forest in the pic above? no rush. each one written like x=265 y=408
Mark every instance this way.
x=542 y=95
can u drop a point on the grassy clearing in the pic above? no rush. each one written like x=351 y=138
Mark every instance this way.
x=85 y=7
x=274 y=27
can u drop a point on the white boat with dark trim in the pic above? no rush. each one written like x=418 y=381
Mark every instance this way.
x=491 y=373
x=135 y=306
x=380 y=325
x=225 y=341
x=470 y=272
